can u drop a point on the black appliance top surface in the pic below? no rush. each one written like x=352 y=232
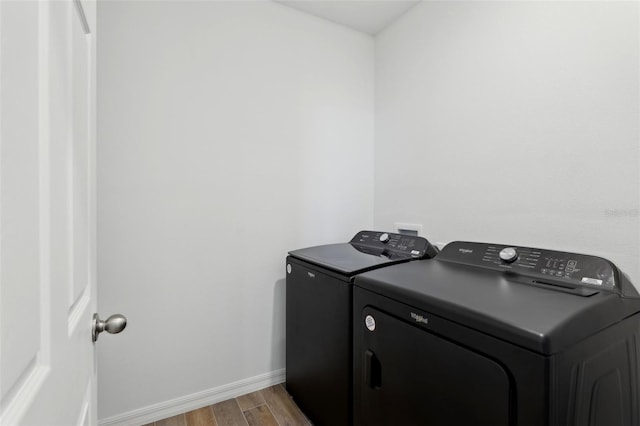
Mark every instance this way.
x=367 y=250
x=542 y=300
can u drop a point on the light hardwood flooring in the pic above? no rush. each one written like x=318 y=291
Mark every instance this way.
x=267 y=407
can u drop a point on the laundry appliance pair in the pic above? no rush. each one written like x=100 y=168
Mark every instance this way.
x=381 y=331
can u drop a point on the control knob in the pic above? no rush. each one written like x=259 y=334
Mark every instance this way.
x=508 y=254
x=384 y=238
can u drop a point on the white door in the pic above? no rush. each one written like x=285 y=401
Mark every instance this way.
x=47 y=212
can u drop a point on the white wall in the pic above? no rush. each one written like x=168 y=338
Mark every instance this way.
x=513 y=122
x=229 y=133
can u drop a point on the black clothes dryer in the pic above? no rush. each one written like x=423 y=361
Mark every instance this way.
x=319 y=298
x=487 y=334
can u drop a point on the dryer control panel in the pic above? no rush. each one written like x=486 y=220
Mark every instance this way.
x=546 y=265
x=400 y=245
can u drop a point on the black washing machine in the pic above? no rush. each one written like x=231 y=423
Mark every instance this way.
x=487 y=334
x=319 y=298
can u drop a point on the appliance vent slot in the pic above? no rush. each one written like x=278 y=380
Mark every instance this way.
x=578 y=291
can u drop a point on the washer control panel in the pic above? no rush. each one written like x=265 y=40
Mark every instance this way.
x=391 y=244
x=573 y=268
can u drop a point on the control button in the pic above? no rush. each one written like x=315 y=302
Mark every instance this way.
x=508 y=254
x=384 y=238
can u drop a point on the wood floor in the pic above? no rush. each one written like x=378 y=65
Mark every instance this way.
x=267 y=407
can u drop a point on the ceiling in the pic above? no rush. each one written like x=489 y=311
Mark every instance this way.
x=368 y=16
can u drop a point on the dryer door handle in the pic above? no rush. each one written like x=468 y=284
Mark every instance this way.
x=372 y=370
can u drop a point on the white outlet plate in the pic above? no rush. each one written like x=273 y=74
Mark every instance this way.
x=399 y=227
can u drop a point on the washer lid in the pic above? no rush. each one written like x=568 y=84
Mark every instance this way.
x=530 y=309
x=345 y=258
x=367 y=250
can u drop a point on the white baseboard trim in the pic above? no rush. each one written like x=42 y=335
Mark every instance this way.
x=194 y=401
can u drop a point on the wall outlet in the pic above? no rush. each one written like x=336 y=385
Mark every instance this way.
x=408 y=228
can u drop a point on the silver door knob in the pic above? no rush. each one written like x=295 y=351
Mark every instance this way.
x=112 y=325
